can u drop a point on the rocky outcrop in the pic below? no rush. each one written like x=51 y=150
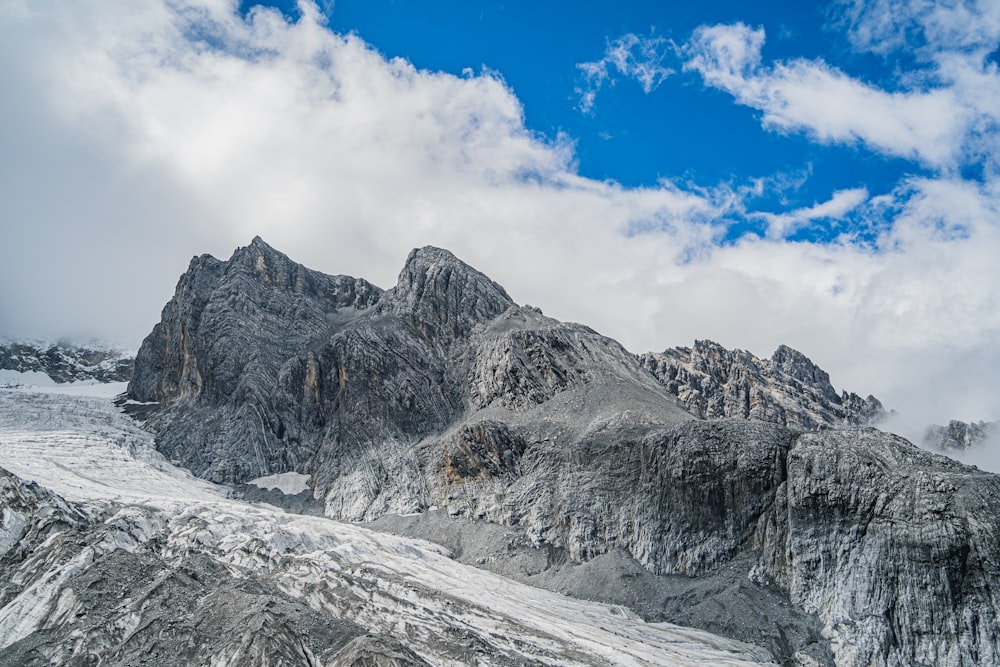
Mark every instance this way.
x=789 y=389
x=440 y=295
x=959 y=436
x=894 y=548
x=65 y=362
x=217 y=357
x=442 y=392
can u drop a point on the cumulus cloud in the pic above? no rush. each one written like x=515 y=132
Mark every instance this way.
x=185 y=125
x=138 y=134
x=944 y=113
x=629 y=56
x=812 y=96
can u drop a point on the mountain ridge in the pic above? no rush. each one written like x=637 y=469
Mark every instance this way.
x=787 y=389
x=442 y=392
x=64 y=362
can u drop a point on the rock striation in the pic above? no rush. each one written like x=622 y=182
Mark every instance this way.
x=441 y=392
x=789 y=389
x=64 y=362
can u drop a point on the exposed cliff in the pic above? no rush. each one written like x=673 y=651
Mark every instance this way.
x=789 y=389
x=894 y=548
x=217 y=354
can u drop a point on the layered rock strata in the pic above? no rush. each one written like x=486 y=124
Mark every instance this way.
x=789 y=389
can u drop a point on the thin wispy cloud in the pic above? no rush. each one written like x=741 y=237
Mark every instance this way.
x=842 y=203
x=944 y=114
x=924 y=28
x=628 y=57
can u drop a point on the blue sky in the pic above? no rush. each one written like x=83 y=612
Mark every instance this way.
x=823 y=175
x=676 y=128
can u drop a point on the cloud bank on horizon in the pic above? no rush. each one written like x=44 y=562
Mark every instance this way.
x=136 y=134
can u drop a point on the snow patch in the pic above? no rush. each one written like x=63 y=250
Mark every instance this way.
x=36 y=381
x=289 y=483
x=91 y=388
x=18 y=378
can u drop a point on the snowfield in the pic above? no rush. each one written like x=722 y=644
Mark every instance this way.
x=83 y=449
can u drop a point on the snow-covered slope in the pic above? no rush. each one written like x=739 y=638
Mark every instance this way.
x=130 y=559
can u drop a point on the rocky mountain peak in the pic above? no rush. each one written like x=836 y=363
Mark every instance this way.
x=259 y=262
x=226 y=316
x=444 y=292
x=446 y=395
x=789 y=389
x=959 y=436
x=798 y=366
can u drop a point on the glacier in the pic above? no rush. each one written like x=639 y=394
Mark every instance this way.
x=76 y=456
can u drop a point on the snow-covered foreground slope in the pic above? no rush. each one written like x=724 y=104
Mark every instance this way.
x=143 y=562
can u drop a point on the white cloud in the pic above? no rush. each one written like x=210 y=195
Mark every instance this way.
x=953 y=45
x=929 y=126
x=780 y=225
x=924 y=26
x=137 y=134
x=311 y=139
x=629 y=56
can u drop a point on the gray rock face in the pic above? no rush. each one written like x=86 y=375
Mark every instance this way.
x=894 y=548
x=146 y=565
x=64 y=362
x=442 y=392
x=216 y=357
x=959 y=436
x=789 y=389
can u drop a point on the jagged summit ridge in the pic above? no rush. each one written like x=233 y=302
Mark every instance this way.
x=959 y=436
x=789 y=389
x=217 y=352
x=266 y=351
x=445 y=292
x=66 y=362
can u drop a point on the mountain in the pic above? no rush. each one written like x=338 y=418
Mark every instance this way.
x=788 y=389
x=959 y=436
x=440 y=408
x=64 y=362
